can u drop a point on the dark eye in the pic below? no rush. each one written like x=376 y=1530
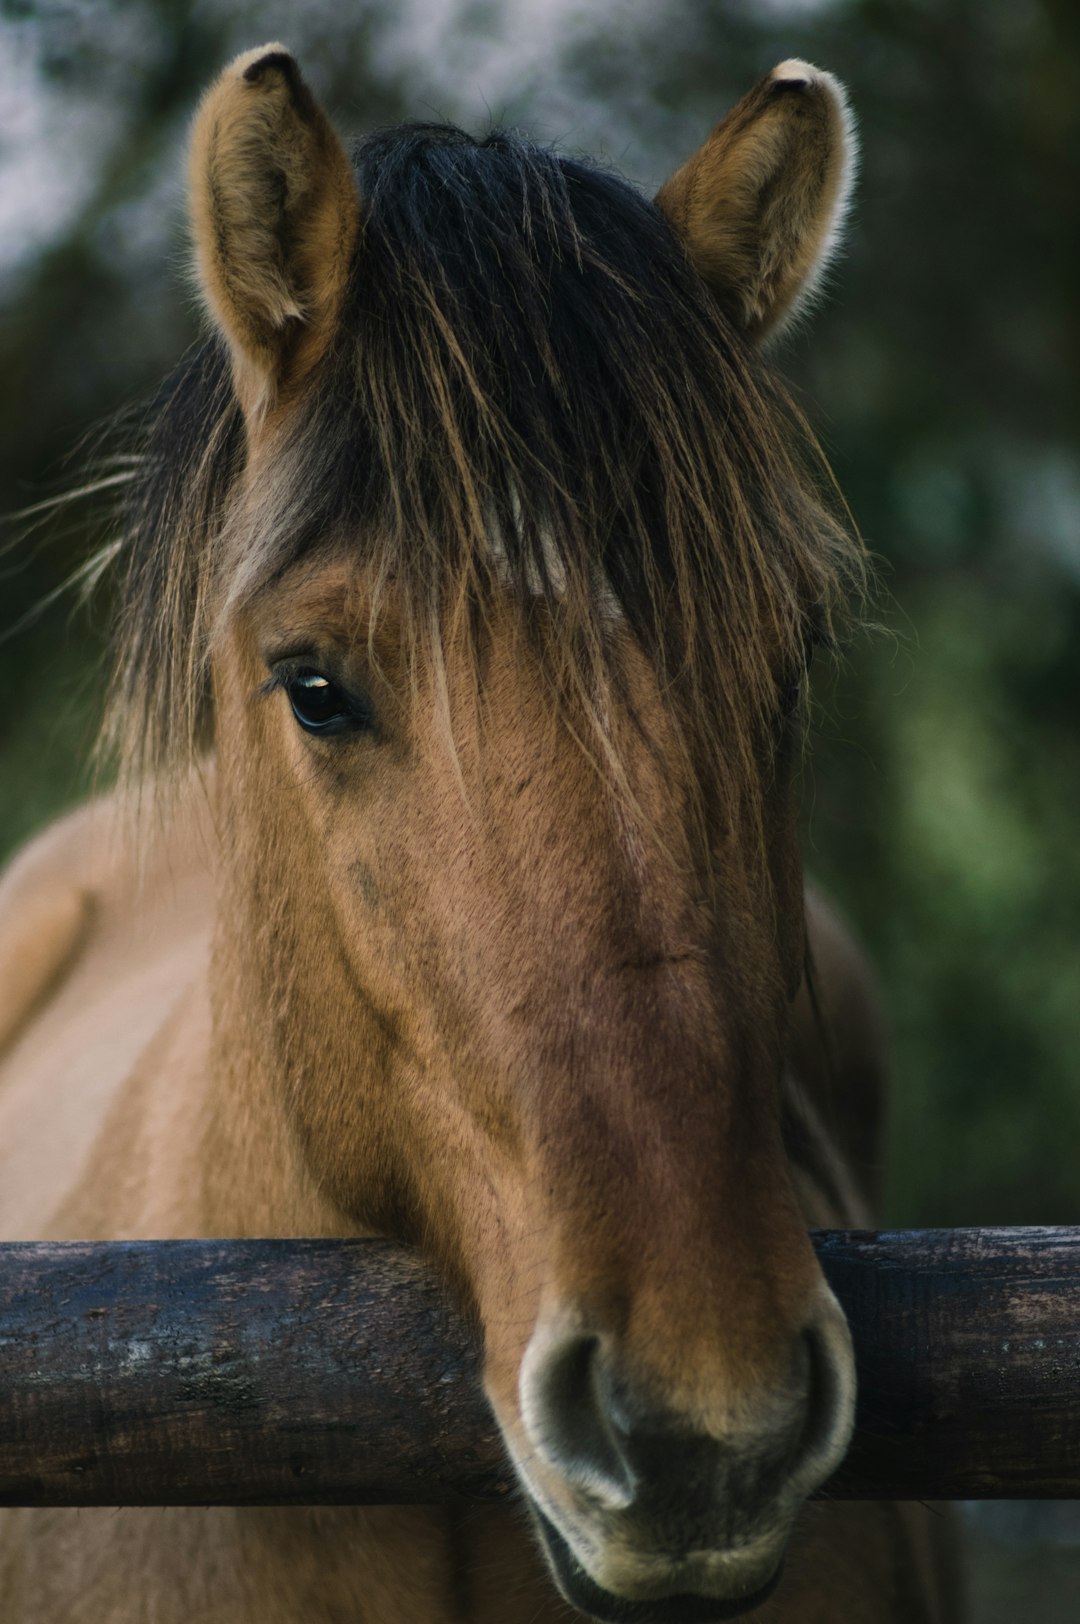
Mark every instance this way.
x=321 y=706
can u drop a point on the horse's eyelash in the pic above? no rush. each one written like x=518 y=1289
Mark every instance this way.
x=283 y=668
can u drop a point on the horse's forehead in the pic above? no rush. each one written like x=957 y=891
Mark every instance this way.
x=328 y=593
x=544 y=573
x=337 y=597
x=335 y=591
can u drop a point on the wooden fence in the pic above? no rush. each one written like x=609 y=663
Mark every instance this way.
x=322 y=1372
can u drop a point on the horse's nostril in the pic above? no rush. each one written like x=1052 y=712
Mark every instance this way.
x=830 y=1400
x=566 y=1414
x=616 y=1443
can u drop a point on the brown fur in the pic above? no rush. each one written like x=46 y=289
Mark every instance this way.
x=40 y=933
x=447 y=417
x=505 y=972
x=106 y=1177
x=276 y=215
x=762 y=203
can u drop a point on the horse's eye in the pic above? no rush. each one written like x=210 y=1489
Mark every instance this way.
x=320 y=706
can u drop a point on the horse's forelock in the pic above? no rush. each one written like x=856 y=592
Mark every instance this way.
x=525 y=354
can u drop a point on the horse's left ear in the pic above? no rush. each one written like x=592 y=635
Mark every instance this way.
x=761 y=205
x=275 y=215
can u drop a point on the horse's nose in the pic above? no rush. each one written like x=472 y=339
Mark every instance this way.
x=614 y=1441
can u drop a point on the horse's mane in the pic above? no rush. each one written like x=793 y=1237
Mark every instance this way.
x=529 y=382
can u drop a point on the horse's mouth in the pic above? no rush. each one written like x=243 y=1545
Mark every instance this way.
x=590 y=1598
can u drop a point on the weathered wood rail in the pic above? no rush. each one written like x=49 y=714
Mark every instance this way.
x=230 y=1372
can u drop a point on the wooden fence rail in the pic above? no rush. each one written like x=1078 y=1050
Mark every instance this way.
x=320 y=1372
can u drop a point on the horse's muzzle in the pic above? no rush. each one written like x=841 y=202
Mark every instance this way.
x=645 y=1516
x=582 y=1592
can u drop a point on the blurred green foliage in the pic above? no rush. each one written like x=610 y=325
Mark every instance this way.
x=942 y=375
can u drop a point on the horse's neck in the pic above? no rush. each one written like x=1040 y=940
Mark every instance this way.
x=835 y=1082
x=151 y=1050
x=828 y=1193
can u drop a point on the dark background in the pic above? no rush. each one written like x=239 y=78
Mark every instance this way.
x=942 y=375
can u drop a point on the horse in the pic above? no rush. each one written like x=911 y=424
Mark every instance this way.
x=469 y=575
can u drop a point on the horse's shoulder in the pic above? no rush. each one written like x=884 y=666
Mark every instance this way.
x=104 y=943
x=47 y=900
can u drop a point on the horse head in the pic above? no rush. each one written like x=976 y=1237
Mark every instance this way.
x=501 y=550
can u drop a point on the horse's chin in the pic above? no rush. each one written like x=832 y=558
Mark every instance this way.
x=582 y=1591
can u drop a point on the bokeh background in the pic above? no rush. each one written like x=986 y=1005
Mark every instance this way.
x=943 y=376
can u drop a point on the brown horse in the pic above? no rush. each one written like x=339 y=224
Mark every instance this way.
x=473 y=568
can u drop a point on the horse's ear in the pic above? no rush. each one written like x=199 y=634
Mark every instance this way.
x=275 y=214
x=761 y=205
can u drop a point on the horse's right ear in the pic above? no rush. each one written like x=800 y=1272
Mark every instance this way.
x=761 y=205
x=275 y=215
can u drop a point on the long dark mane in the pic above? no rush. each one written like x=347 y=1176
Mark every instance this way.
x=530 y=380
